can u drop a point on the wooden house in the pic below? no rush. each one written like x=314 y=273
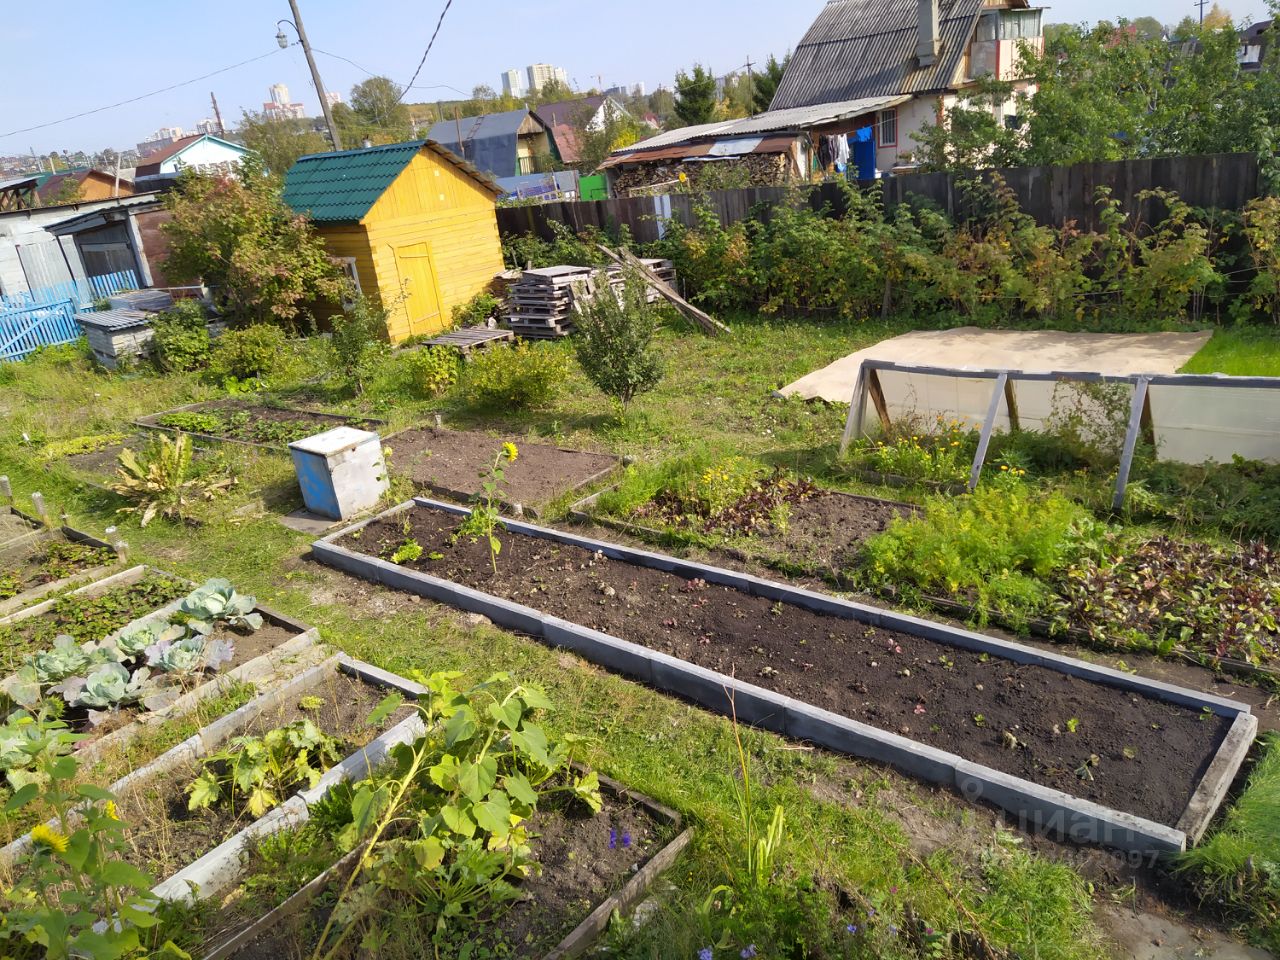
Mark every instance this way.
x=414 y=226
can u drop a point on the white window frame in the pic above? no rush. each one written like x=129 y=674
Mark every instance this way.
x=348 y=267
x=886 y=118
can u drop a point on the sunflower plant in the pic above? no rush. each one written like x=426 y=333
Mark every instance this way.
x=75 y=895
x=485 y=519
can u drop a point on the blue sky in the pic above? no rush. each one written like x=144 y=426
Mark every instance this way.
x=56 y=66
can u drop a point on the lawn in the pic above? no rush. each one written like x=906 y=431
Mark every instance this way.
x=1239 y=352
x=863 y=847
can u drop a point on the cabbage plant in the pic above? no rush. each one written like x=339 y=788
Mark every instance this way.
x=217 y=601
x=190 y=655
x=108 y=687
x=133 y=641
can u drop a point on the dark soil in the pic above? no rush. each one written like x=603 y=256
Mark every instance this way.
x=1015 y=718
x=451 y=462
x=12 y=527
x=47 y=561
x=579 y=871
x=264 y=424
x=164 y=836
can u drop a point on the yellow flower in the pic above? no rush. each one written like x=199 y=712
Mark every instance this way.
x=109 y=808
x=45 y=836
x=510 y=451
x=1004 y=467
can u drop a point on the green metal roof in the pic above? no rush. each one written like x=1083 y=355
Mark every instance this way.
x=342 y=187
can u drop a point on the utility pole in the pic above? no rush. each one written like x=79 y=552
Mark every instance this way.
x=751 y=88
x=1201 y=4
x=315 y=74
x=217 y=115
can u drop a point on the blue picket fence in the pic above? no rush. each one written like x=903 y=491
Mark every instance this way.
x=22 y=331
x=45 y=317
x=83 y=291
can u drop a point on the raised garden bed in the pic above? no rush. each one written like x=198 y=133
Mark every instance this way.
x=1085 y=751
x=823 y=531
x=16 y=528
x=36 y=568
x=262 y=425
x=139 y=596
x=584 y=862
x=449 y=463
x=200 y=853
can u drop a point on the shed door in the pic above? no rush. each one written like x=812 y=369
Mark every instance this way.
x=421 y=308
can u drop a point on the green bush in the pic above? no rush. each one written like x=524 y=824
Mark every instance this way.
x=432 y=370
x=476 y=310
x=359 y=341
x=614 y=341
x=255 y=351
x=999 y=549
x=181 y=338
x=515 y=377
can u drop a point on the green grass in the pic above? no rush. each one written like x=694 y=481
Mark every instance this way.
x=1240 y=861
x=1240 y=352
x=849 y=837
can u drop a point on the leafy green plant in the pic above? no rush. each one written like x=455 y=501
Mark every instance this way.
x=407 y=552
x=485 y=518
x=78 y=446
x=108 y=687
x=217 y=601
x=614 y=340
x=180 y=337
x=937 y=452
x=189 y=655
x=161 y=483
x=261 y=771
x=75 y=895
x=467 y=787
x=251 y=353
x=359 y=340
x=432 y=370
x=476 y=310
x=192 y=421
x=760 y=850
x=515 y=377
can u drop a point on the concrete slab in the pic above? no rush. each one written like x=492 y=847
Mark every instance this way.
x=1140 y=935
x=1034 y=350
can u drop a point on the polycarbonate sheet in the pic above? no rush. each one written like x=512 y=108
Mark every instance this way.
x=920 y=398
x=1198 y=423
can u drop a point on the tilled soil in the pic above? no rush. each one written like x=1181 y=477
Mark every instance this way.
x=1028 y=721
x=264 y=413
x=164 y=836
x=450 y=463
x=30 y=568
x=584 y=860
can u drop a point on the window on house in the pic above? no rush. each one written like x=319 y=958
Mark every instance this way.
x=1019 y=24
x=888 y=128
x=348 y=267
x=988 y=27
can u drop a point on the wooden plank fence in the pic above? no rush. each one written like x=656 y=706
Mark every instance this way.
x=1053 y=195
x=84 y=291
x=23 y=331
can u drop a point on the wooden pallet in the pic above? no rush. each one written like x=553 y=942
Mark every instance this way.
x=468 y=339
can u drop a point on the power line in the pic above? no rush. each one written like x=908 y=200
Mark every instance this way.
x=430 y=43
x=153 y=93
x=369 y=73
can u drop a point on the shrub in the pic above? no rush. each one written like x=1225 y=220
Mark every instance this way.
x=614 y=341
x=256 y=351
x=181 y=338
x=1262 y=231
x=476 y=310
x=998 y=549
x=359 y=341
x=162 y=481
x=432 y=370
x=515 y=377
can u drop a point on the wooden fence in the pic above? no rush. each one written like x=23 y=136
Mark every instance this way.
x=1052 y=195
x=83 y=290
x=42 y=325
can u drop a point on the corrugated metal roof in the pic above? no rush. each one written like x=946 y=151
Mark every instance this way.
x=866 y=48
x=114 y=319
x=342 y=187
x=797 y=118
x=733 y=147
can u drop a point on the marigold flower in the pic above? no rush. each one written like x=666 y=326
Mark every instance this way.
x=49 y=838
x=509 y=451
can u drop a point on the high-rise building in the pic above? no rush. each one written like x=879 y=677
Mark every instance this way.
x=513 y=83
x=207 y=125
x=540 y=74
x=638 y=90
x=333 y=97
x=279 y=94
x=279 y=107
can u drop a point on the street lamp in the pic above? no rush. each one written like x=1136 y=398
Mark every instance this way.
x=282 y=38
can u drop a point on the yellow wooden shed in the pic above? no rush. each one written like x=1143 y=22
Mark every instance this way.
x=413 y=224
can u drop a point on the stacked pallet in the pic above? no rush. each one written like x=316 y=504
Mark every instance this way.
x=542 y=304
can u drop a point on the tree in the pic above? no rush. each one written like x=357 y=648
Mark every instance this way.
x=281 y=141
x=484 y=92
x=613 y=338
x=695 y=96
x=738 y=100
x=376 y=107
x=767 y=80
x=1149 y=28
x=616 y=130
x=970 y=136
x=68 y=191
x=663 y=104
x=262 y=261
x=554 y=91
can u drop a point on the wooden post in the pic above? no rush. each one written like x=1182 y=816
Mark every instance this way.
x=1137 y=409
x=988 y=425
x=1011 y=406
x=6 y=489
x=877 y=397
x=42 y=511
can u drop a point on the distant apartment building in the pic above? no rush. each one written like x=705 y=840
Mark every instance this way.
x=540 y=74
x=333 y=97
x=159 y=140
x=207 y=125
x=513 y=83
x=279 y=107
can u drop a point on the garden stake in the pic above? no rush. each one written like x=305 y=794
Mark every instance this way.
x=42 y=511
x=6 y=490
